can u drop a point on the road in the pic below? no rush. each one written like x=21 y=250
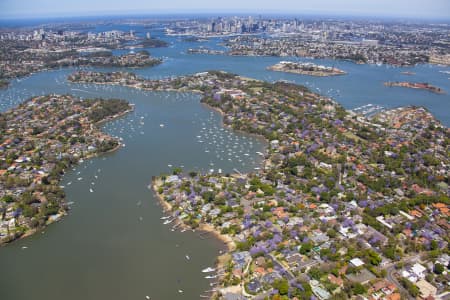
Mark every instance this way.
x=289 y=274
x=391 y=270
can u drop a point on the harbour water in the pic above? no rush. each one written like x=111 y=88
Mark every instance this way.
x=113 y=245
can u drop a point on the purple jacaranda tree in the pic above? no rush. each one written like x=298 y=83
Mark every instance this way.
x=363 y=203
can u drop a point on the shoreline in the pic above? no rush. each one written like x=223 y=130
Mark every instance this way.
x=255 y=135
x=203 y=227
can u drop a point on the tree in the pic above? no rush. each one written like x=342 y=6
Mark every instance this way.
x=358 y=289
x=282 y=286
x=306 y=248
x=438 y=268
x=374 y=258
x=208 y=196
x=7 y=199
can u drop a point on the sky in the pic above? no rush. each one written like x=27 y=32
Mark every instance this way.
x=60 y=8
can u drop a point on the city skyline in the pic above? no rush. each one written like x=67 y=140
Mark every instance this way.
x=437 y=9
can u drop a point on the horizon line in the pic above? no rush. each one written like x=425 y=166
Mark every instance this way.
x=137 y=13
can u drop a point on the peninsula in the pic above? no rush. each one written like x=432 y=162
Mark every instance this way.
x=342 y=206
x=305 y=69
x=39 y=140
x=416 y=85
x=23 y=52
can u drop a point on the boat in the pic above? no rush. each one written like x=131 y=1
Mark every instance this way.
x=147 y=297
x=161 y=125
x=167 y=222
x=180 y=291
x=187 y=257
x=210 y=276
x=90 y=190
x=208 y=270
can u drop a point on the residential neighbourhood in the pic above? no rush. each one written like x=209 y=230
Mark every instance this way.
x=343 y=207
x=39 y=140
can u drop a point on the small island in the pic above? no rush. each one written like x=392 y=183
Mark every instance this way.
x=203 y=50
x=306 y=69
x=153 y=43
x=39 y=140
x=416 y=85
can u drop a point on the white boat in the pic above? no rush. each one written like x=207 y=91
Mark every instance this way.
x=79 y=178
x=180 y=291
x=161 y=125
x=147 y=297
x=210 y=276
x=187 y=257
x=208 y=270
x=90 y=190
x=167 y=222
x=164 y=218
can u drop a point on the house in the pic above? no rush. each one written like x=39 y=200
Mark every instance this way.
x=173 y=178
x=335 y=280
x=319 y=291
x=254 y=286
x=241 y=258
x=418 y=270
x=393 y=296
x=426 y=289
x=232 y=293
x=356 y=262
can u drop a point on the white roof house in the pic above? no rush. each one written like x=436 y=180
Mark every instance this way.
x=418 y=270
x=357 y=262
